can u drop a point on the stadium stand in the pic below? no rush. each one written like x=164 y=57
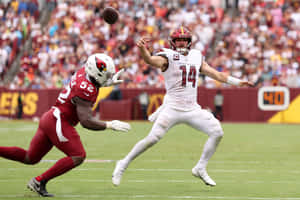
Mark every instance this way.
x=17 y=20
x=260 y=43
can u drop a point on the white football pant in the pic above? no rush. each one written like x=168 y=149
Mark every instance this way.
x=167 y=117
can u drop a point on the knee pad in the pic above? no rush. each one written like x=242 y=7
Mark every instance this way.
x=83 y=154
x=78 y=157
x=217 y=131
x=79 y=153
x=31 y=161
x=78 y=160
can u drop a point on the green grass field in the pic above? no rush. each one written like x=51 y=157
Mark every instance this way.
x=253 y=161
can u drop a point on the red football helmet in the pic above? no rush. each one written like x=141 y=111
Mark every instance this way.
x=180 y=33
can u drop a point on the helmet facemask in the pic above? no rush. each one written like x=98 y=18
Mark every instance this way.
x=181 y=33
x=181 y=50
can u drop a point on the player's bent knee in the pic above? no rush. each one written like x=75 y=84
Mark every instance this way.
x=78 y=160
x=217 y=131
x=31 y=161
x=220 y=133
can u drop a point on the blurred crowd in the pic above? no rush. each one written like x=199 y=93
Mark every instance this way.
x=17 y=18
x=261 y=42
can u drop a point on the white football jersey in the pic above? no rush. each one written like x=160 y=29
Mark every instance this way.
x=181 y=78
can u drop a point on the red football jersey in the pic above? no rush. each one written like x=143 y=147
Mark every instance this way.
x=79 y=86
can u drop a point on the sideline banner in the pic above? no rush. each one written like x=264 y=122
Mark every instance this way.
x=240 y=104
x=35 y=102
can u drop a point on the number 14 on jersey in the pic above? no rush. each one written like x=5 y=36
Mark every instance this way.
x=189 y=76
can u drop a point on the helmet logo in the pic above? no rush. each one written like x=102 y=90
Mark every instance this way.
x=100 y=64
x=182 y=31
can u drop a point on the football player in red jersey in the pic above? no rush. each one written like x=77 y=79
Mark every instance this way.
x=56 y=127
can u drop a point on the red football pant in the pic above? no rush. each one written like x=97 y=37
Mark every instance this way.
x=43 y=141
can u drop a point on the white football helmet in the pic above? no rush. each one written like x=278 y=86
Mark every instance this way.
x=100 y=67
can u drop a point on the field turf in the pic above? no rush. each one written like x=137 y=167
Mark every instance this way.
x=253 y=162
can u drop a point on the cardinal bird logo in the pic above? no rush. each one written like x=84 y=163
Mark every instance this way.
x=100 y=64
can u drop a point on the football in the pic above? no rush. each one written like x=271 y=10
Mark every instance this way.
x=110 y=15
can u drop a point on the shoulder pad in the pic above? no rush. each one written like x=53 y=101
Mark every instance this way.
x=165 y=52
x=195 y=51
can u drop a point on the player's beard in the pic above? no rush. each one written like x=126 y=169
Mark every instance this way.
x=182 y=50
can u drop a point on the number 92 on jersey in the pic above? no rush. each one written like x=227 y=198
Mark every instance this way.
x=273 y=98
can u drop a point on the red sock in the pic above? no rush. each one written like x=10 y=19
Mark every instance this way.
x=59 y=168
x=13 y=153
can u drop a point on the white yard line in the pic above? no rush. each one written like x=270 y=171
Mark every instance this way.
x=157 y=169
x=161 y=197
x=87 y=161
x=20 y=129
x=159 y=181
x=164 y=161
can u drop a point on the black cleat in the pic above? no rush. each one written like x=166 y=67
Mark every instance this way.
x=39 y=187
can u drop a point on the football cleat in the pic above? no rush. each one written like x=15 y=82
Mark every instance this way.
x=117 y=174
x=202 y=174
x=39 y=187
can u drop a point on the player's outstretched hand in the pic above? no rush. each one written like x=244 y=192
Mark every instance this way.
x=118 y=125
x=143 y=42
x=115 y=79
x=246 y=83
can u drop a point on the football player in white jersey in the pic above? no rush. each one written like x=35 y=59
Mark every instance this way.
x=181 y=67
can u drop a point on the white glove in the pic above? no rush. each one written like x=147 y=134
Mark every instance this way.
x=115 y=79
x=118 y=125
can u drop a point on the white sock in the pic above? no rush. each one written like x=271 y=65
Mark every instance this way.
x=208 y=150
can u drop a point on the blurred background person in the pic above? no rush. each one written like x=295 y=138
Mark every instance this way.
x=218 y=102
